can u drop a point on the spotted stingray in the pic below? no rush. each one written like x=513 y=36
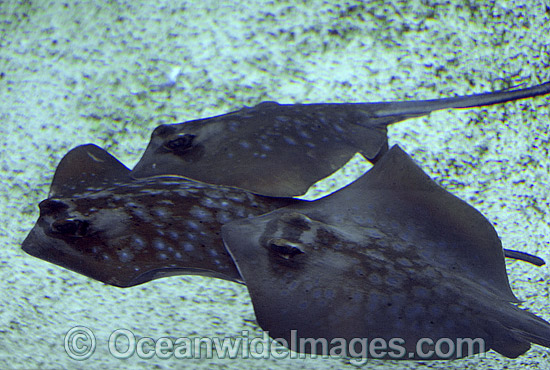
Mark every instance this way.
x=100 y=222
x=392 y=255
x=281 y=150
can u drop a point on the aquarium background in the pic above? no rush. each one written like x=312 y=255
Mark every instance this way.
x=109 y=72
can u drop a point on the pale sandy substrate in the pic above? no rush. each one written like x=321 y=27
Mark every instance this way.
x=73 y=74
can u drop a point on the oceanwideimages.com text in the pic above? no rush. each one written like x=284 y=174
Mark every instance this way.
x=122 y=344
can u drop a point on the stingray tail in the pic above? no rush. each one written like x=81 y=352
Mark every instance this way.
x=525 y=257
x=407 y=109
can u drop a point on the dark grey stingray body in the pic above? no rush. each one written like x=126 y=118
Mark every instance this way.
x=281 y=150
x=392 y=255
x=124 y=232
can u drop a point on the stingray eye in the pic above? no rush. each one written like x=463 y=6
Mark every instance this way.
x=70 y=227
x=297 y=220
x=181 y=143
x=52 y=207
x=164 y=130
x=284 y=248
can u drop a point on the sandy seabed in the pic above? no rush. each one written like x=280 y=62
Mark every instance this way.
x=109 y=72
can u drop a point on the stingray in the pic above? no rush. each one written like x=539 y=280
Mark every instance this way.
x=392 y=255
x=102 y=223
x=281 y=150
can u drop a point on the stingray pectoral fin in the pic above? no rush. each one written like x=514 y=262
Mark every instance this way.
x=514 y=329
x=85 y=168
x=398 y=198
x=525 y=257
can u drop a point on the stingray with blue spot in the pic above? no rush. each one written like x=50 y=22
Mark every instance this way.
x=392 y=256
x=280 y=150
